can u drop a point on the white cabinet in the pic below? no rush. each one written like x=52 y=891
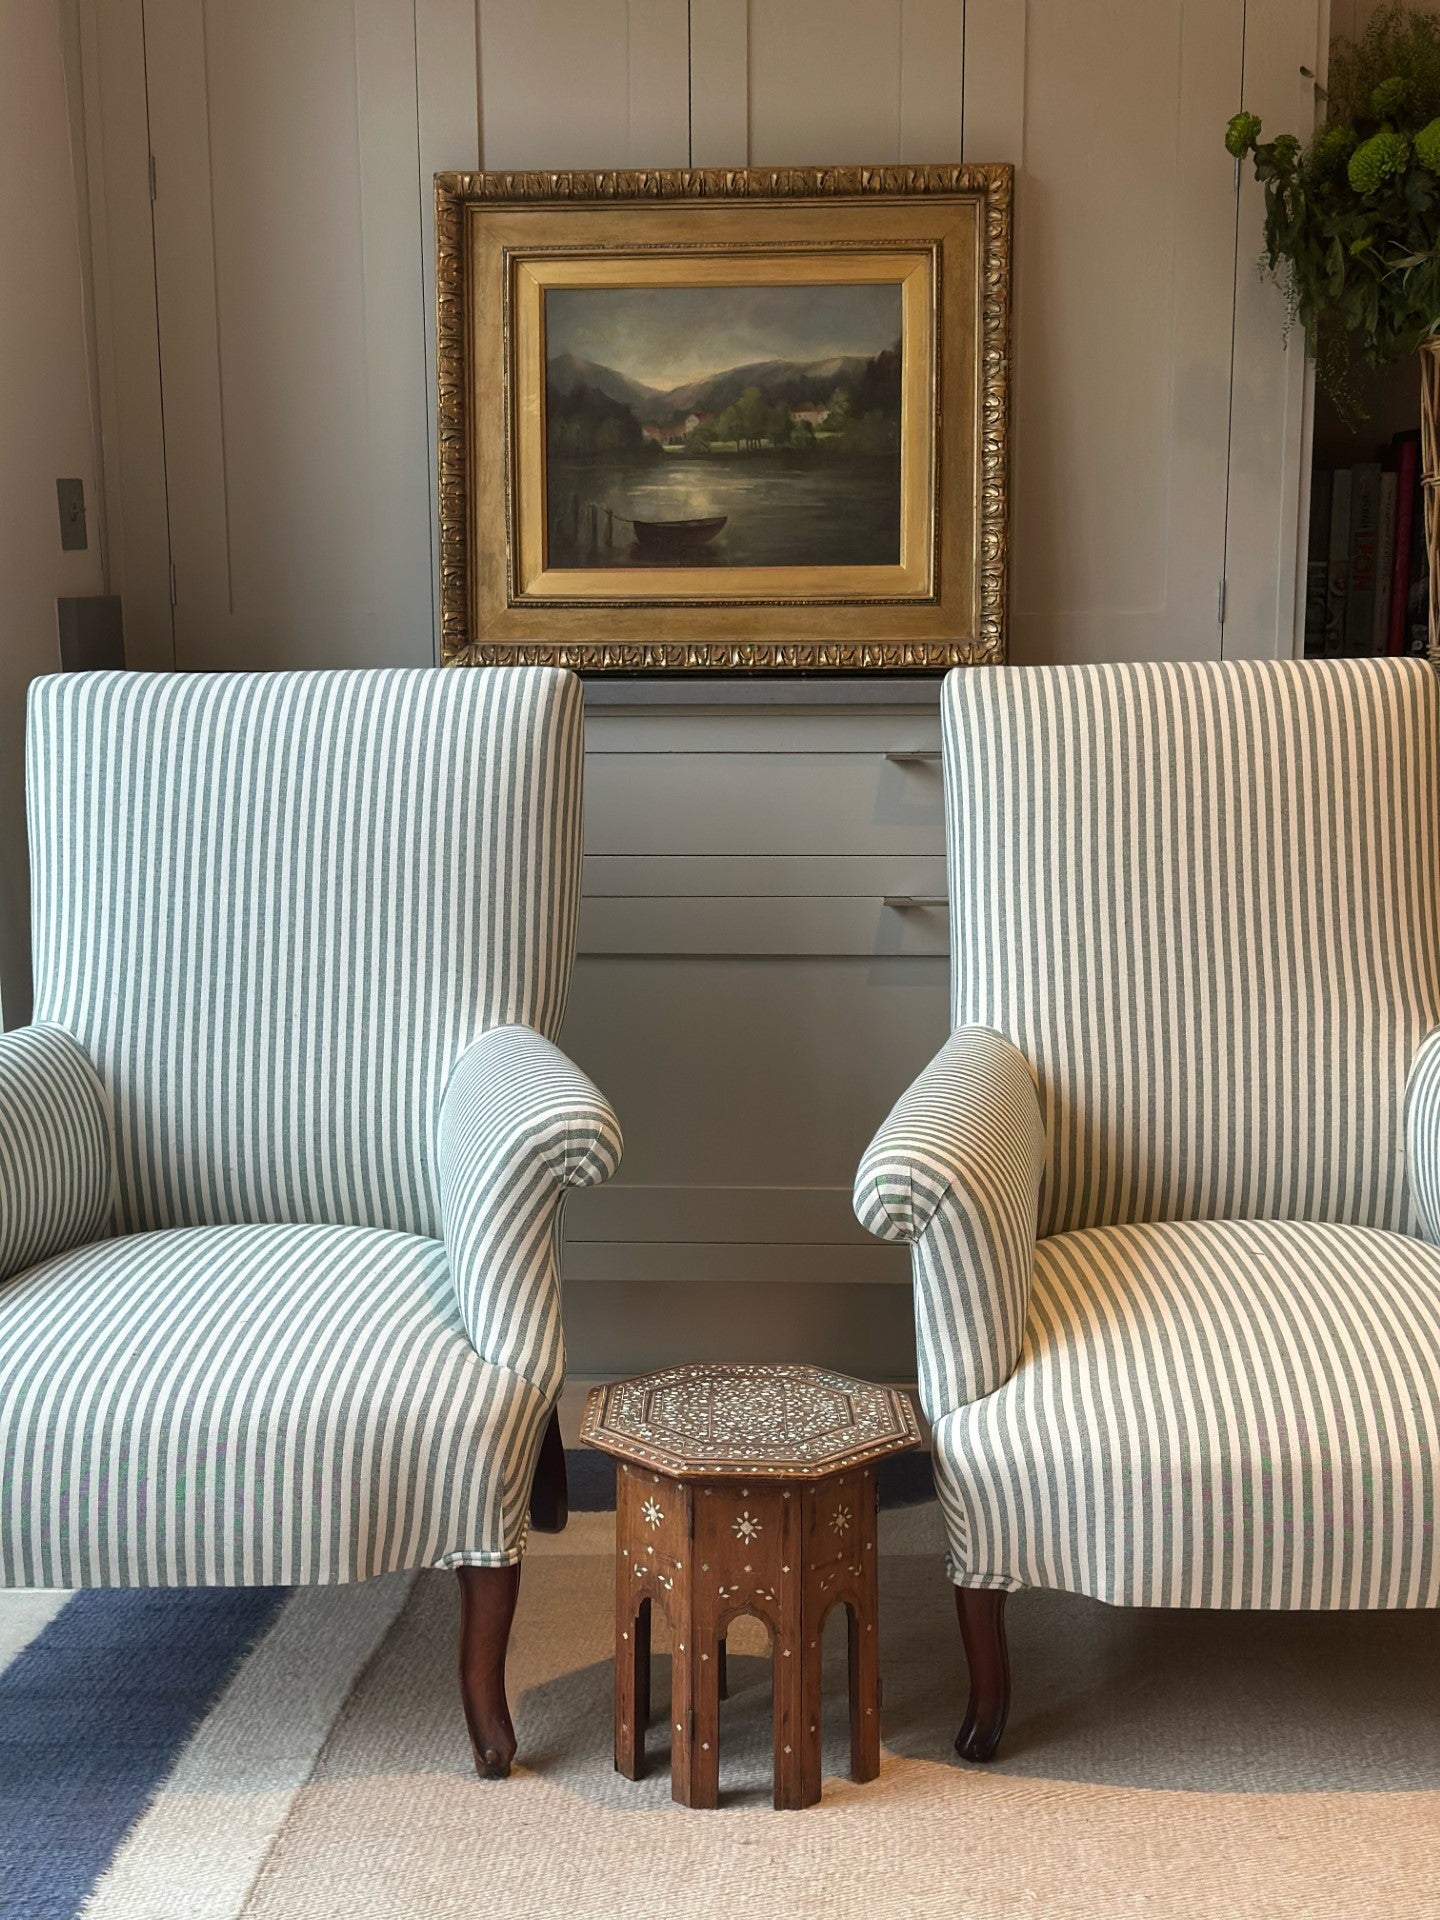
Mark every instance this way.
x=763 y=968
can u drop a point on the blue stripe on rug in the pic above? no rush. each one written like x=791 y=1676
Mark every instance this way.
x=94 y=1713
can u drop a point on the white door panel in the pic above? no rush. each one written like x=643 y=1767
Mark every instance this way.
x=291 y=295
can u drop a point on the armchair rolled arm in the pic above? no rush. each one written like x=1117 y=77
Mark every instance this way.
x=955 y=1172
x=56 y=1149
x=1422 y=1132
x=519 y=1126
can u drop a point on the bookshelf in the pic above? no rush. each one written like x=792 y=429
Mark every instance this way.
x=1366 y=584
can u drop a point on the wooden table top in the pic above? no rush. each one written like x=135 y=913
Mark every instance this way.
x=713 y=1421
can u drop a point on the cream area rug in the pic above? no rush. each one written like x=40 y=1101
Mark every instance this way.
x=1156 y=1765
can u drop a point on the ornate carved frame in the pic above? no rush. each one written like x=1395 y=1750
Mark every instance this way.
x=458 y=195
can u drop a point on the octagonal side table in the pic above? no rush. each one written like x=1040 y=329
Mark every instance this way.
x=746 y=1489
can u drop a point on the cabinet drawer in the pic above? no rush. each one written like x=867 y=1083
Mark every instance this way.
x=762 y=803
x=613 y=1328
x=808 y=1217
x=619 y=876
x=788 y=1236
x=749 y=1073
x=761 y=924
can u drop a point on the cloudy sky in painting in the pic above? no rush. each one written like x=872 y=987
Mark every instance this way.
x=667 y=336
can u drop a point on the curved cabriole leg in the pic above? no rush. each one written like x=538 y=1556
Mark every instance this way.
x=487 y=1606
x=982 y=1628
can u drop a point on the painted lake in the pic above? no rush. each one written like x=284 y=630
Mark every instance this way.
x=779 y=510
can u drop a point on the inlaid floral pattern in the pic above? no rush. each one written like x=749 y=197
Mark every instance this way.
x=747 y=1528
x=651 y=1512
x=840 y=1519
x=706 y=1418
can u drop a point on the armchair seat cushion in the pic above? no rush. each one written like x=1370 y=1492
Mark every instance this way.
x=253 y=1405
x=1211 y=1414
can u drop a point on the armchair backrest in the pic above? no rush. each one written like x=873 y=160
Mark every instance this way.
x=1204 y=901
x=274 y=908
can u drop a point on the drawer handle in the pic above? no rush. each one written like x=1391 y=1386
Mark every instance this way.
x=912 y=756
x=905 y=900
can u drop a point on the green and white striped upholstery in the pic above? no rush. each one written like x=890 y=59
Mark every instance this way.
x=1214 y=1413
x=275 y=908
x=1422 y=1134
x=955 y=1171
x=253 y=1406
x=1196 y=933
x=1204 y=902
x=55 y=1161
x=519 y=1125
x=302 y=945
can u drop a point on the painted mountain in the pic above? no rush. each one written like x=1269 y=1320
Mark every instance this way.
x=795 y=382
x=787 y=461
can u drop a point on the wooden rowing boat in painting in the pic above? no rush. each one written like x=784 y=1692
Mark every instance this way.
x=665 y=535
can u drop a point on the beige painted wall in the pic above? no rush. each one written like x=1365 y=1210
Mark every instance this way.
x=45 y=420
x=294 y=148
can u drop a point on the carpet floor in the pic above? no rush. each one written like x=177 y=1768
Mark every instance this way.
x=1173 y=1766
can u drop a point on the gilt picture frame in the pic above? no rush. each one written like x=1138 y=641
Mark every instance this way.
x=706 y=420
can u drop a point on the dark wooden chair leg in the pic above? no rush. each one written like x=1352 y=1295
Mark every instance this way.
x=982 y=1628
x=487 y=1606
x=550 y=1491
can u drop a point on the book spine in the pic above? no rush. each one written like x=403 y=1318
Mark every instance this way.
x=1384 y=562
x=1317 y=562
x=1317 y=582
x=1338 y=583
x=1418 y=630
x=1364 y=540
x=1404 y=531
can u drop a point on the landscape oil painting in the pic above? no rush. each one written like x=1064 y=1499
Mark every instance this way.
x=698 y=420
x=723 y=426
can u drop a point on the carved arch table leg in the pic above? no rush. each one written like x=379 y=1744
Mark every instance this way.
x=797 y=1719
x=982 y=1628
x=864 y=1691
x=632 y=1686
x=487 y=1607
x=695 y=1701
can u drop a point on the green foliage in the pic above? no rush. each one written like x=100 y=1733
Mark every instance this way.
x=1384 y=156
x=862 y=418
x=585 y=424
x=1241 y=134
x=1352 y=223
x=1391 y=98
x=749 y=422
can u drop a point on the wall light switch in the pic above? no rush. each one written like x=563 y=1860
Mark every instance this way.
x=71 y=495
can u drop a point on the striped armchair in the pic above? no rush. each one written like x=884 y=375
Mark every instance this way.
x=1164 y=1184
x=282 y=1156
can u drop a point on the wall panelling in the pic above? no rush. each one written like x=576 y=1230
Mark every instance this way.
x=744 y=991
